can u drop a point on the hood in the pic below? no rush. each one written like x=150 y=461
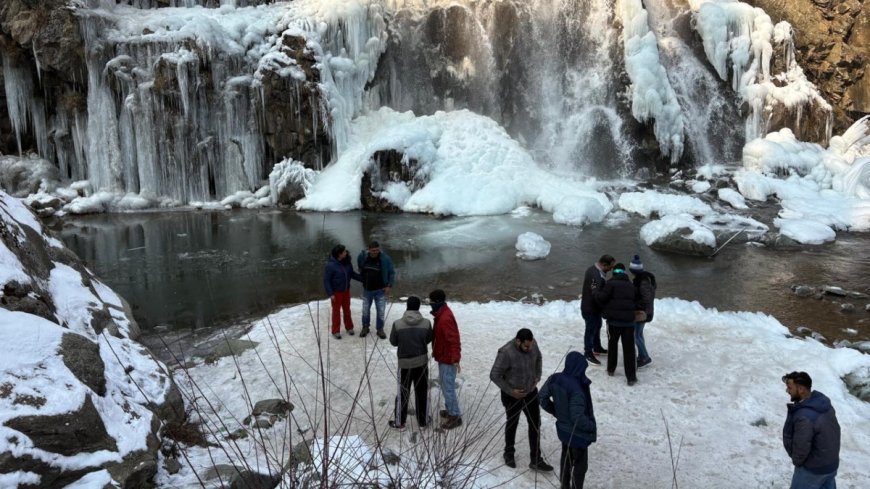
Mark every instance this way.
x=412 y=317
x=575 y=366
x=817 y=402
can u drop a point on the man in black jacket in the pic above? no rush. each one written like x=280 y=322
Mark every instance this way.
x=811 y=435
x=412 y=334
x=644 y=295
x=590 y=310
x=617 y=301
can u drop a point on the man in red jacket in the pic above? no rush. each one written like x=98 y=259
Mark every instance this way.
x=447 y=351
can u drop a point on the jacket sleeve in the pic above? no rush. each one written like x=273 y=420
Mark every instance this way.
x=394 y=336
x=802 y=440
x=602 y=295
x=539 y=364
x=544 y=397
x=497 y=373
x=327 y=274
x=646 y=295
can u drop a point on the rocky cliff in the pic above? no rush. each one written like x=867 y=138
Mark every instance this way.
x=832 y=38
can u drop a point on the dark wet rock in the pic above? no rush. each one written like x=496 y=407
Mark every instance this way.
x=386 y=455
x=679 y=242
x=388 y=167
x=847 y=308
x=82 y=357
x=279 y=407
x=67 y=434
x=239 y=434
x=759 y=422
x=172 y=466
x=253 y=480
x=803 y=290
x=780 y=242
x=301 y=454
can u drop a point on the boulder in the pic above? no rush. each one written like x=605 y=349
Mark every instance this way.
x=229 y=347
x=678 y=242
x=82 y=357
x=803 y=291
x=247 y=479
x=67 y=434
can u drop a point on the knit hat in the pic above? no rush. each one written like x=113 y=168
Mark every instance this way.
x=636 y=265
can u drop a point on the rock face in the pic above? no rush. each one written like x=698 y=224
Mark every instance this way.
x=73 y=383
x=833 y=41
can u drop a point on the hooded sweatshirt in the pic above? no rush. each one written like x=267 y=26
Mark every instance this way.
x=411 y=334
x=566 y=396
x=516 y=369
x=811 y=434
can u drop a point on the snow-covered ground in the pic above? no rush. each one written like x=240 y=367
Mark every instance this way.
x=714 y=386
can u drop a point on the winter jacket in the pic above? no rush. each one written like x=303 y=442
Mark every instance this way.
x=811 y=434
x=645 y=293
x=412 y=333
x=337 y=276
x=617 y=299
x=446 y=347
x=387 y=270
x=566 y=396
x=516 y=369
x=593 y=280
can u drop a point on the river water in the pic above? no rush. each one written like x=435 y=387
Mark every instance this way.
x=198 y=270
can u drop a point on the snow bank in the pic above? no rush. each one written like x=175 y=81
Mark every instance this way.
x=694 y=381
x=651 y=202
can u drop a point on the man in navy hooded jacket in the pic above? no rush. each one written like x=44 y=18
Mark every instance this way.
x=811 y=435
x=566 y=396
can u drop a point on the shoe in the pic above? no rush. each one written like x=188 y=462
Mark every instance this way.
x=602 y=351
x=350 y=332
x=541 y=466
x=510 y=461
x=592 y=360
x=632 y=382
x=443 y=413
x=644 y=362
x=610 y=373
x=393 y=425
x=428 y=423
x=381 y=334
x=451 y=422
x=364 y=332
x=337 y=336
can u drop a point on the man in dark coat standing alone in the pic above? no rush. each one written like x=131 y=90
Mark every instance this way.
x=590 y=310
x=566 y=396
x=412 y=334
x=517 y=371
x=447 y=351
x=811 y=435
x=617 y=301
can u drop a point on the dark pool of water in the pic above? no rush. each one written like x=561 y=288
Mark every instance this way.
x=182 y=270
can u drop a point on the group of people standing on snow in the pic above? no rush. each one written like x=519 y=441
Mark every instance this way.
x=811 y=434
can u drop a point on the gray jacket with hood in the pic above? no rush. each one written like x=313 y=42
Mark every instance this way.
x=515 y=369
x=412 y=333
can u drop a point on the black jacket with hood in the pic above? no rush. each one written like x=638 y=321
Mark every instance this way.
x=617 y=299
x=811 y=434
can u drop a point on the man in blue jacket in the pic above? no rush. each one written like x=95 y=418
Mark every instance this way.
x=378 y=277
x=811 y=435
x=566 y=396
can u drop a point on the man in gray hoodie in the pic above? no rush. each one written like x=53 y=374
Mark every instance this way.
x=412 y=334
x=517 y=371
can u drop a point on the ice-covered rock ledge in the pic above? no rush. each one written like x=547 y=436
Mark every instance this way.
x=80 y=399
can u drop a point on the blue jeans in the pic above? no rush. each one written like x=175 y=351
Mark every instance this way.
x=592 y=337
x=447 y=375
x=642 y=354
x=380 y=300
x=804 y=479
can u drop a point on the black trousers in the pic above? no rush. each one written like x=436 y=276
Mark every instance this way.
x=419 y=377
x=529 y=406
x=630 y=360
x=574 y=463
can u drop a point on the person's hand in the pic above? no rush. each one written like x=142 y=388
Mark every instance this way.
x=458 y=368
x=387 y=290
x=518 y=393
